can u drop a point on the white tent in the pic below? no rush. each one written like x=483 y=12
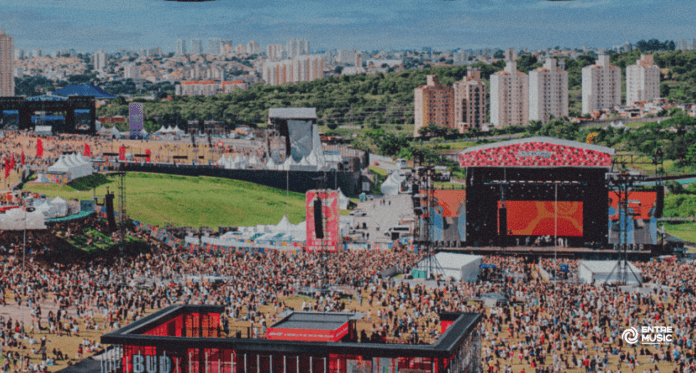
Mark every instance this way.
x=607 y=271
x=18 y=219
x=223 y=162
x=460 y=266
x=284 y=226
x=48 y=211
x=143 y=132
x=115 y=132
x=60 y=205
x=343 y=201
x=177 y=131
x=270 y=165
x=390 y=187
x=253 y=161
x=60 y=167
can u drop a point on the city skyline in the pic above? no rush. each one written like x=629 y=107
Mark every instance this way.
x=89 y=25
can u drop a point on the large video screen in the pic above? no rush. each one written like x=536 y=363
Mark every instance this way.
x=538 y=218
x=639 y=223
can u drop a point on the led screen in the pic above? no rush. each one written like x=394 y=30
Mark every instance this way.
x=538 y=218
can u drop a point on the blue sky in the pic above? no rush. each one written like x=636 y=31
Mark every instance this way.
x=87 y=25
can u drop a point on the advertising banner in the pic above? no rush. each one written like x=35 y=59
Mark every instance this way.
x=329 y=220
x=136 y=117
x=539 y=218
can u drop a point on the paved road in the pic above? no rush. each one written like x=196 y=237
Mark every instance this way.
x=380 y=217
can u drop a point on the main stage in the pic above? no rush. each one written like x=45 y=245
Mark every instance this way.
x=541 y=189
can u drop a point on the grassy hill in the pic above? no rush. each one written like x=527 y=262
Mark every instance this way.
x=188 y=201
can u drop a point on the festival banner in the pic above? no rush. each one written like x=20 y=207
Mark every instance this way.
x=88 y=151
x=135 y=115
x=147 y=153
x=330 y=223
x=39 y=148
x=23 y=159
x=122 y=154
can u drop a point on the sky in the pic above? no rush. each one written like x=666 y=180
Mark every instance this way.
x=88 y=25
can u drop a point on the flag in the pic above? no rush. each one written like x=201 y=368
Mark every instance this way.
x=88 y=151
x=12 y=160
x=7 y=168
x=147 y=153
x=39 y=148
x=23 y=157
x=122 y=154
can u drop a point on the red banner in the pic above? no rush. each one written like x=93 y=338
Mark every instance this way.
x=88 y=151
x=309 y=335
x=329 y=219
x=7 y=168
x=148 y=153
x=12 y=160
x=39 y=148
x=23 y=159
x=122 y=154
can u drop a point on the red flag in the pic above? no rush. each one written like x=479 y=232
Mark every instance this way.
x=147 y=152
x=7 y=168
x=88 y=151
x=12 y=160
x=23 y=157
x=39 y=148
x=122 y=154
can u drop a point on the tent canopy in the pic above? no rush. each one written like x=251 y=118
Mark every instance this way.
x=608 y=271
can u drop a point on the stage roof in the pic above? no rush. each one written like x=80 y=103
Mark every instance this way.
x=537 y=152
x=46 y=98
x=84 y=90
x=292 y=113
x=316 y=320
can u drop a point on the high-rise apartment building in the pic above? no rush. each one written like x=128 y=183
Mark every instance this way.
x=433 y=103
x=642 y=80
x=101 y=59
x=358 y=60
x=683 y=45
x=131 y=71
x=181 y=47
x=253 y=47
x=469 y=102
x=214 y=46
x=274 y=52
x=19 y=53
x=509 y=95
x=346 y=55
x=196 y=47
x=7 y=73
x=299 y=69
x=460 y=58
x=297 y=47
x=548 y=91
x=601 y=85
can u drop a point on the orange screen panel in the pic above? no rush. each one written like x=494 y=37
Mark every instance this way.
x=538 y=218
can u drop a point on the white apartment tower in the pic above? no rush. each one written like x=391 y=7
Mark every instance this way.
x=131 y=71
x=101 y=59
x=196 y=47
x=297 y=47
x=548 y=91
x=253 y=47
x=274 y=52
x=181 y=47
x=642 y=80
x=601 y=85
x=7 y=73
x=509 y=95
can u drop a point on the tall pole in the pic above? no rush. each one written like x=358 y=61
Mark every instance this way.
x=24 y=260
x=555 y=241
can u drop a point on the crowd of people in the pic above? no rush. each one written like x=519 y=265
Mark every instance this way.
x=547 y=327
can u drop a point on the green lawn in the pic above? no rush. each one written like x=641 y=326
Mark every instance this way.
x=379 y=171
x=684 y=231
x=188 y=201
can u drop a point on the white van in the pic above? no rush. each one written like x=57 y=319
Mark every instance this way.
x=402 y=230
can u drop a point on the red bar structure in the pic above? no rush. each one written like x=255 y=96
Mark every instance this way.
x=187 y=339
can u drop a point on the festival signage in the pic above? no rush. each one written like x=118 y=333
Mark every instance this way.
x=330 y=224
x=136 y=116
